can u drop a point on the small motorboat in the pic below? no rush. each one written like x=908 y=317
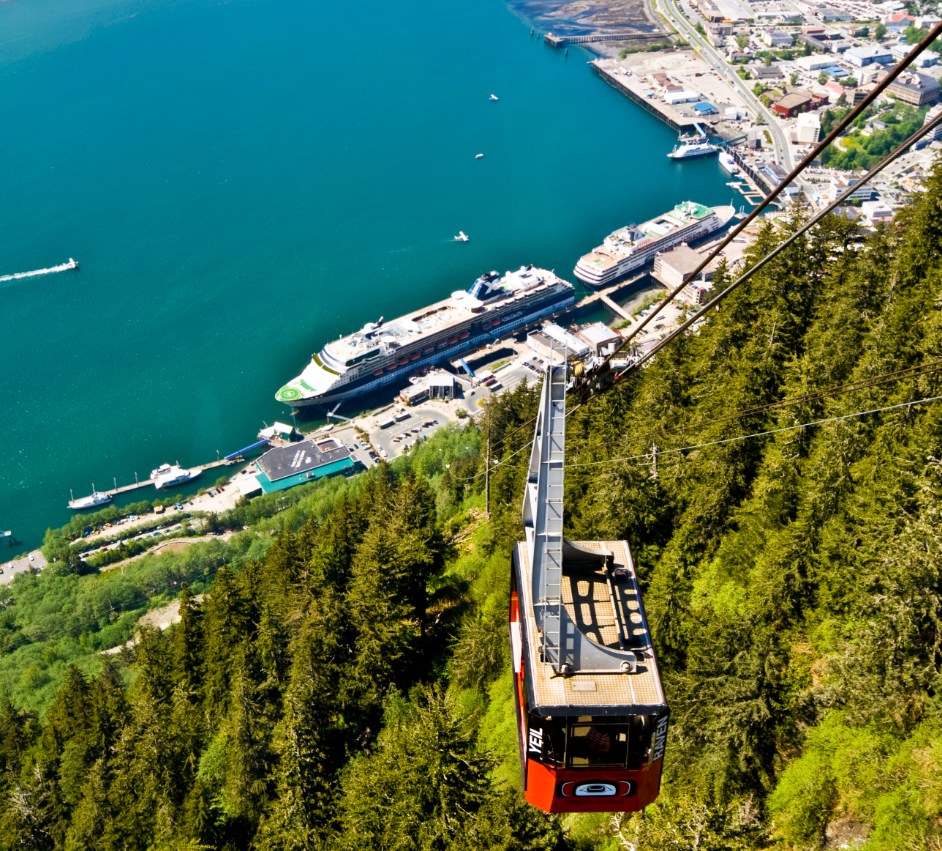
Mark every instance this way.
x=493 y=97
x=462 y=237
x=478 y=156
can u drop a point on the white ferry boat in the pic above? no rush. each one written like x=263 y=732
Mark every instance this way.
x=380 y=353
x=728 y=163
x=632 y=247
x=95 y=499
x=698 y=146
x=168 y=475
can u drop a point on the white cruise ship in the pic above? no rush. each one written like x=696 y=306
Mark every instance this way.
x=382 y=352
x=168 y=475
x=632 y=247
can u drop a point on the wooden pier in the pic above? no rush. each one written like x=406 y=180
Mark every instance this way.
x=150 y=482
x=564 y=40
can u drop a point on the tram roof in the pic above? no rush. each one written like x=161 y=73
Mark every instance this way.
x=594 y=606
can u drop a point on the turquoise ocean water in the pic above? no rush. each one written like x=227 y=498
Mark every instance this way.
x=241 y=180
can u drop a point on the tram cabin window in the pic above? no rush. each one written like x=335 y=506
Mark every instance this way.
x=587 y=742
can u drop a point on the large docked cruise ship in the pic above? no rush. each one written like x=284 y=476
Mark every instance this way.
x=630 y=248
x=382 y=352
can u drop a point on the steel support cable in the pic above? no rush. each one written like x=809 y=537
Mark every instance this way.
x=911 y=140
x=915 y=137
x=826 y=393
x=774 y=193
x=850 y=387
x=647 y=455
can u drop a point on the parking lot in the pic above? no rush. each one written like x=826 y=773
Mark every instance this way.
x=422 y=422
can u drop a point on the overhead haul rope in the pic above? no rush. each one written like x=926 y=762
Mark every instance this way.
x=908 y=142
x=838 y=390
x=911 y=140
x=647 y=455
x=771 y=196
x=934 y=33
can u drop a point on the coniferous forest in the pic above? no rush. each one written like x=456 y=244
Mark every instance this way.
x=339 y=675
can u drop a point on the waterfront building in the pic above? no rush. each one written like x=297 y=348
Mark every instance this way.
x=601 y=338
x=298 y=463
x=927 y=22
x=556 y=344
x=671 y=267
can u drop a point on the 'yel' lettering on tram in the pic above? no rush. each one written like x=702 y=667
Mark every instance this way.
x=536 y=740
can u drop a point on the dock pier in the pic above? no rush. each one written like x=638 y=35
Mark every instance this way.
x=591 y=38
x=225 y=462
x=628 y=85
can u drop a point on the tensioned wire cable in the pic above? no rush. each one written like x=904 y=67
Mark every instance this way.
x=838 y=390
x=839 y=128
x=917 y=371
x=889 y=158
x=771 y=196
x=648 y=455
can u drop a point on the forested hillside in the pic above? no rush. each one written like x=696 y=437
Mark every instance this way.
x=345 y=685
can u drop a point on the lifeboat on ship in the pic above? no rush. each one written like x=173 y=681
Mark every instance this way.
x=428 y=349
x=441 y=345
x=464 y=335
x=378 y=371
x=486 y=326
x=452 y=340
x=495 y=320
x=391 y=367
x=403 y=361
x=415 y=356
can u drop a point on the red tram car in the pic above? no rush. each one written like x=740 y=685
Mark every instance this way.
x=591 y=714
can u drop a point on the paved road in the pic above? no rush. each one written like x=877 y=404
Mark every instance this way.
x=675 y=15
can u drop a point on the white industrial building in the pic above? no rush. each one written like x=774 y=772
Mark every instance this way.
x=815 y=62
x=777 y=38
x=808 y=128
x=683 y=96
x=868 y=55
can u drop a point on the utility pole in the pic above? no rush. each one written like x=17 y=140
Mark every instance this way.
x=654 y=461
x=487 y=477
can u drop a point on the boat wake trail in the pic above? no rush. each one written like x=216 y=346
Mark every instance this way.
x=63 y=268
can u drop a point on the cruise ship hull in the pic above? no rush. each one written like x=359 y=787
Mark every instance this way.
x=373 y=382
x=608 y=264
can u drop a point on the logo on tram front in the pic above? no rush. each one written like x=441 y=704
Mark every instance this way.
x=536 y=740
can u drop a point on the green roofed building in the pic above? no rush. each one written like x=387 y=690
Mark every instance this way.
x=287 y=466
